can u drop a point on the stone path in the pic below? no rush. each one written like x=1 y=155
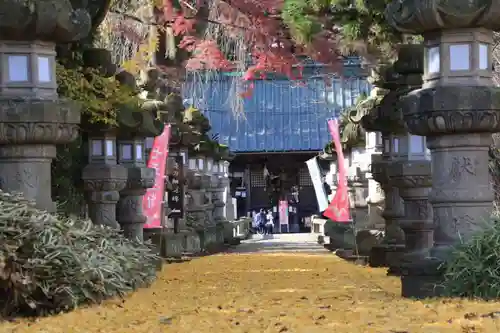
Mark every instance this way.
x=281 y=243
x=279 y=292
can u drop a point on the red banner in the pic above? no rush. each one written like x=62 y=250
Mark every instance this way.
x=153 y=199
x=338 y=210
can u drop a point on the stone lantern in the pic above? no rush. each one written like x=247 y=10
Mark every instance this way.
x=457 y=109
x=135 y=126
x=410 y=172
x=218 y=187
x=131 y=154
x=33 y=118
x=103 y=178
x=392 y=246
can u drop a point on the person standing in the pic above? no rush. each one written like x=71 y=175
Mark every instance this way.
x=262 y=220
x=269 y=223
x=256 y=221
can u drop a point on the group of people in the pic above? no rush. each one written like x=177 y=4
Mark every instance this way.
x=263 y=222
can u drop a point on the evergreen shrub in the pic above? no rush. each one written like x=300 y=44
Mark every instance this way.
x=50 y=263
x=473 y=268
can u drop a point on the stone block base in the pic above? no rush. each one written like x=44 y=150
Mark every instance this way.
x=420 y=287
x=393 y=257
x=366 y=239
x=170 y=245
x=187 y=243
x=350 y=255
x=235 y=231
x=208 y=238
x=318 y=225
x=384 y=254
x=166 y=244
x=378 y=256
x=173 y=245
x=341 y=235
x=219 y=229
x=422 y=279
x=192 y=243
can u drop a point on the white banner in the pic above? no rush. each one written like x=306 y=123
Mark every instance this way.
x=319 y=189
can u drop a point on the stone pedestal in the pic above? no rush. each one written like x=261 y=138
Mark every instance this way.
x=392 y=246
x=216 y=190
x=206 y=191
x=218 y=186
x=457 y=109
x=32 y=118
x=358 y=187
x=461 y=199
x=413 y=178
x=375 y=198
x=198 y=206
x=102 y=184
x=29 y=132
x=129 y=210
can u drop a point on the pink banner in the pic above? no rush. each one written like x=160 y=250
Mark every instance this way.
x=153 y=199
x=338 y=210
x=283 y=211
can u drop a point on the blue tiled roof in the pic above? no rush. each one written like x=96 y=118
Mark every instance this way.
x=279 y=116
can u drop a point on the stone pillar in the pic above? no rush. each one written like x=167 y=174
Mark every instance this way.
x=218 y=186
x=388 y=252
x=32 y=118
x=103 y=179
x=457 y=109
x=207 y=189
x=375 y=194
x=131 y=155
x=196 y=204
x=413 y=179
x=358 y=186
x=229 y=201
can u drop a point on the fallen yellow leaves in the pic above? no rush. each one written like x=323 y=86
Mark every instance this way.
x=270 y=293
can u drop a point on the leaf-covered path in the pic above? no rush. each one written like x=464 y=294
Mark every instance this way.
x=277 y=291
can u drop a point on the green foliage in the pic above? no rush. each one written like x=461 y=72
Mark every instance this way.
x=50 y=264
x=101 y=97
x=300 y=18
x=472 y=269
x=364 y=28
x=494 y=166
x=351 y=132
x=66 y=170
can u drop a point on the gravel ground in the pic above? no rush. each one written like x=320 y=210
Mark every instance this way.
x=270 y=292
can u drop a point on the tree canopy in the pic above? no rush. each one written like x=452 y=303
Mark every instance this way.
x=261 y=36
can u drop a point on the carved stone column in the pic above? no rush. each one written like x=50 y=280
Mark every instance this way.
x=457 y=109
x=103 y=179
x=139 y=179
x=32 y=118
x=375 y=195
x=392 y=246
x=229 y=201
x=219 y=183
x=413 y=178
x=197 y=202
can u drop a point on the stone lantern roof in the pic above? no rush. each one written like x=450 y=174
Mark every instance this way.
x=417 y=16
x=50 y=20
x=382 y=112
